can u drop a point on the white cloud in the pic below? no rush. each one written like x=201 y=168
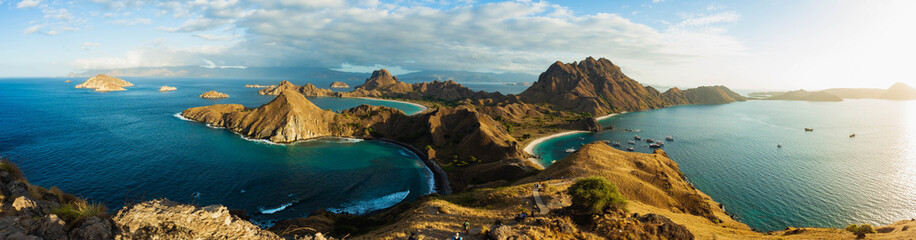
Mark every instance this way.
x=28 y=3
x=33 y=29
x=212 y=37
x=58 y=14
x=520 y=36
x=135 y=21
x=212 y=65
x=89 y=45
x=198 y=24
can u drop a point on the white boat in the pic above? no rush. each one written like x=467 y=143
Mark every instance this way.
x=779 y=145
x=637 y=137
x=569 y=150
x=632 y=142
x=630 y=149
x=654 y=145
x=616 y=144
x=669 y=138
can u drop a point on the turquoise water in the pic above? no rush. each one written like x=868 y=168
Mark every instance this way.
x=117 y=147
x=822 y=178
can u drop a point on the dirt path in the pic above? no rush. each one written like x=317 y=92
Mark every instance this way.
x=537 y=200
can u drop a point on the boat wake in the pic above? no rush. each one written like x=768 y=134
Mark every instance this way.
x=363 y=207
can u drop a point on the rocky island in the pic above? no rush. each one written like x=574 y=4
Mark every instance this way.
x=105 y=83
x=258 y=86
x=898 y=91
x=213 y=95
x=167 y=88
x=337 y=84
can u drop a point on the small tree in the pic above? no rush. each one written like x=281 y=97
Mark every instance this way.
x=594 y=194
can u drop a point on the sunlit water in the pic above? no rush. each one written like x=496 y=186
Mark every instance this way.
x=118 y=147
x=822 y=178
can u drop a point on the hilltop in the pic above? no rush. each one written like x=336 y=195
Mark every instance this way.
x=600 y=87
x=105 y=83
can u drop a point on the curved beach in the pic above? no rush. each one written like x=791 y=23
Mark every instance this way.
x=530 y=147
x=399 y=101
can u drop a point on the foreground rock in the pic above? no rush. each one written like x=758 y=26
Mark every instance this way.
x=105 y=83
x=337 y=84
x=164 y=219
x=167 y=88
x=213 y=95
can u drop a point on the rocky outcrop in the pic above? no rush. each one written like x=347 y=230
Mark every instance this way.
x=307 y=90
x=289 y=117
x=105 y=83
x=900 y=91
x=213 y=95
x=167 y=88
x=164 y=219
x=67 y=81
x=586 y=124
x=802 y=95
x=337 y=84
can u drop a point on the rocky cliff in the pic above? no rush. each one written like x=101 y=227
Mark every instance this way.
x=802 y=95
x=289 y=117
x=105 y=83
x=382 y=81
x=900 y=91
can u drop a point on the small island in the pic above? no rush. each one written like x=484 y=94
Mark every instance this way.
x=337 y=84
x=105 y=83
x=67 y=81
x=167 y=88
x=259 y=86
x=214 y=95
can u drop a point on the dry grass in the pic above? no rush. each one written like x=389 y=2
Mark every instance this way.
x=8 y=166
x=80 y=210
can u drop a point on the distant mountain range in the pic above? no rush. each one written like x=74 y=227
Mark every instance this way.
x=297 y=73
x=899 y=91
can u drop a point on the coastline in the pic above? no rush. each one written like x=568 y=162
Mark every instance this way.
x=439 y=175
x=530 y=147
x=399 y=101
x=608 y=116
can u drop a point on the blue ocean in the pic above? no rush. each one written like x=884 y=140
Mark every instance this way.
x=823 y=178
x=121 y=147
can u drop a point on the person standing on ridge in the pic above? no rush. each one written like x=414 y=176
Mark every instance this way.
x=467 y=227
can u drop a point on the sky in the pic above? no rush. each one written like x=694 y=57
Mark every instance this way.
x=778 y=44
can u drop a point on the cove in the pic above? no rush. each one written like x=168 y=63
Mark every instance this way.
x=123 y=147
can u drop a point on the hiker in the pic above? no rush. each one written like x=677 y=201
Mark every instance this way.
x=457 y=237
x=467 y=227
x=413 y=236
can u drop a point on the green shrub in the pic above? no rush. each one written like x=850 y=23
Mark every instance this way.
x=80 y=210
x=852 y=228
x=8 y=166
x=860 y=230
x=595 y=194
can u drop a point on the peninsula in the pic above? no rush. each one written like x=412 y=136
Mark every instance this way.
x=898 y=91
x=105 y=83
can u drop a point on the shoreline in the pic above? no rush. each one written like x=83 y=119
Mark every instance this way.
x=400 y=101
x=530 y=147
x=608 y=116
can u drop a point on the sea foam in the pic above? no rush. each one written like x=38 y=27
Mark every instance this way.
x=363 y=207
